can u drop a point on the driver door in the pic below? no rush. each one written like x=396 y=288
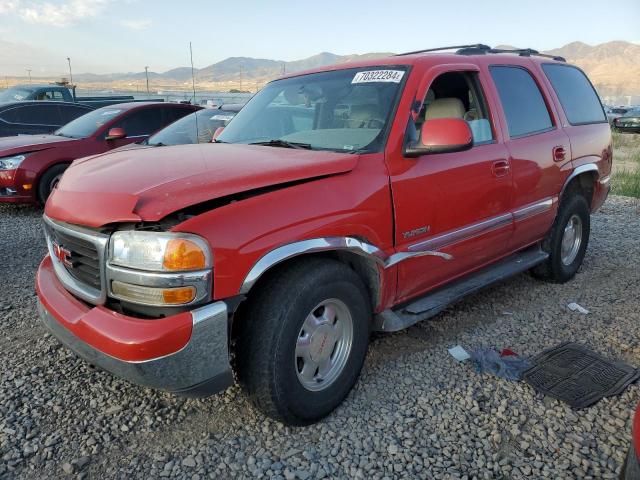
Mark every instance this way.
x=456 y=203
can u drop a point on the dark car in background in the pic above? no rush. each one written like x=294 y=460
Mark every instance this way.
x=62 y=93
x=204 y=122
x=32 y=165
x=629 y=122
x=615 y=112
x=34 y=117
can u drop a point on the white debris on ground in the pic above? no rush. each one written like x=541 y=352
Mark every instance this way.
x=415 y=413
x=574 y=307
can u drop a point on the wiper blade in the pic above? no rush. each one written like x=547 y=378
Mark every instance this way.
x=159 y=144
x=284 y=144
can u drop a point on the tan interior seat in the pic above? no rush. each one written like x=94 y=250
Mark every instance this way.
x=364 y=116
x=449 y=107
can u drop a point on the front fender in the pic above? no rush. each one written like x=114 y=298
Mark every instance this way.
x=356 y=204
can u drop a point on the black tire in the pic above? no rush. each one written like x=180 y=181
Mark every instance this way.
x=266 y=350
x=554 y=269
x=48 y=180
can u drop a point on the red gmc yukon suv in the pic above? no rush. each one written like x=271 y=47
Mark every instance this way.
x=340 y=201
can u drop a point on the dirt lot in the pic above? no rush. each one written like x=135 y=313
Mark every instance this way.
x=415 y=412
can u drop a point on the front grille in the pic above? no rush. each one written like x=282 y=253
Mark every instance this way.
x=78 y=256
x=84 y=259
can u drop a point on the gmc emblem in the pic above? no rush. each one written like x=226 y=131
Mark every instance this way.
x=63 y=255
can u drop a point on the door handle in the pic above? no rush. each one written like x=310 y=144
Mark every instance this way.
x=500 y=168
x=559 y=154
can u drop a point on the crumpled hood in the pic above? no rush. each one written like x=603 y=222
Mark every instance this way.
x=150 y=183
x=30 y=143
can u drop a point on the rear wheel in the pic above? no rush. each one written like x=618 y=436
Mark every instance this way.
x=567 y=241
x=304 y=341
x=49 y=180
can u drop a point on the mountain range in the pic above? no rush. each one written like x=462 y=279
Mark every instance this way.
x=613 y=67
x=233 y=68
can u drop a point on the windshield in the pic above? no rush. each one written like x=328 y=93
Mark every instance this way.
x=184 y=130
x=342 y=110
x=87 y=125
x=15 y=94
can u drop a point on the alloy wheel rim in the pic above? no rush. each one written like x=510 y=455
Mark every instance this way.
x=323 y=345
x=571 y=240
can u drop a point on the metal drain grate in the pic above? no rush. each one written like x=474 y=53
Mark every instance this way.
x=578 y=376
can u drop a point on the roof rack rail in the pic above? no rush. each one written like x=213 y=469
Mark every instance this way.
x=478 y=46
x=482 y=49
x=527 y=52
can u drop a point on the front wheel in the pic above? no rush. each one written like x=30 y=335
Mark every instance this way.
x=49 y=181
x=567 y=241
x=304 y=341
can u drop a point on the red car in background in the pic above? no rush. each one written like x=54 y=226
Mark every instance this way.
x=32 y=165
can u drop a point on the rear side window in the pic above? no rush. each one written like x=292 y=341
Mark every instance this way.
x=142 y=122
x=522 y=101
x=35 y=115
x=577 y=96
x=171 y=114
x=71 y=112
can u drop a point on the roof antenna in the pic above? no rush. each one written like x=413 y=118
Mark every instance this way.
x=193 y=81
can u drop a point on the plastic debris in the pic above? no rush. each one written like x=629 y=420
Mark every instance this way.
x=505 y=364
x=574 y=307
x=459 y=353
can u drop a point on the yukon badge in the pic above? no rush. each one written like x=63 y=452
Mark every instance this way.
x=415 y=232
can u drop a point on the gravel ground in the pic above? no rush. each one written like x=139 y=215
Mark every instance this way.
x=415 y=412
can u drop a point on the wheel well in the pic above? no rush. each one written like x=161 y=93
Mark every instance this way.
x=66 y=163
x=366 y=269
x=583 y=184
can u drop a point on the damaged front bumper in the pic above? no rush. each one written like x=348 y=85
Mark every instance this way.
x=186 y=353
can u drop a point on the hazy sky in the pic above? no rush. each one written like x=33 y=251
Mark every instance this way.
x=125 y=35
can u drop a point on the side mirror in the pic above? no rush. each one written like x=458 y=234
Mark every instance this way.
x=441 y=135
x=116 y=134
x=217 y=133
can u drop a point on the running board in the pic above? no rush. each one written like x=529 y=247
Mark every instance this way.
x=435 y=302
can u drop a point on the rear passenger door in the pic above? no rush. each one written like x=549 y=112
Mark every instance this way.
x=539 y=151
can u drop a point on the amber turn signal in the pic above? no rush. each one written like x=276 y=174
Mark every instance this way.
x=183 y=254
x=151 y=295
x=178 y=296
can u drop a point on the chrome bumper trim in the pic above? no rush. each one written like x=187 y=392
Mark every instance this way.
x=203 y=361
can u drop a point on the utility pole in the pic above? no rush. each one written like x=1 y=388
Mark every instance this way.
x=284 y=68
x=240 y=78
x=146 y=72
x=29 y=70
x=70 y=74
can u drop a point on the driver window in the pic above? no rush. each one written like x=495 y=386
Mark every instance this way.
x=458 y=95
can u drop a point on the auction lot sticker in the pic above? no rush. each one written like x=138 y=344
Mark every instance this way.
x=369 y=76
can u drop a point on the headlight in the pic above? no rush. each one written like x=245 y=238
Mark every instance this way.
x=11 y=163
x=159 y=252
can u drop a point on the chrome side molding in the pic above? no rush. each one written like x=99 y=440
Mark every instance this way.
x=534 y=209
